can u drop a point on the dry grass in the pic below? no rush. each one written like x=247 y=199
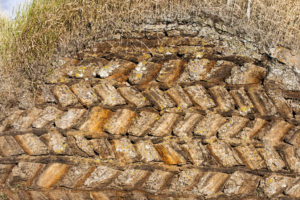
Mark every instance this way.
x=27 y=45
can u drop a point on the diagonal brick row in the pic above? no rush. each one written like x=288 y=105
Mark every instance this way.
x=100 y=179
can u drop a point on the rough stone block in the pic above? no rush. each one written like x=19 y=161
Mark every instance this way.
x=51 y=175
x=49 y=114
x=143 y=123
x=143 y=73
x=180 y=97
x=160 y=99
x=125 y=150
x=31 y=144
x=70 y=118
x=64 y=95
x=120 y=121
x=85 y=93
x=147 y=151
x=169 y=72
x=223 y=99
x=9 y=146
x=199 y=95
x=164 y=124
x=133 y=96
x=100 y=177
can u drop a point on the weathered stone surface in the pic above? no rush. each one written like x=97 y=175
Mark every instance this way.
x=85 y=93
x=247 y=74
x=185 y=127
x=101 y=176
x=48 y=115
x=56 y=143
x=64 y=95
x=31 y=144
x=241 y=183
x=144 y=73
x=197 y=69
x=223 y=99
x=209 y=125
x=157 y=180
x=261 y=101
x=164 y=124
x=9 y=146
x=224 y=154
x=96 y=119
x=272 y=158
x=147 y=151
x=51 y=175
x=130 y=177
x=276 y=133
x=133 y=96
x=169 y=154
x=242 y=100
x=210 y=184
x=70 y=118
x=185 y=180
x=180 y=97
x=25 y=121
x=199 y=95
x=198 y=154
x=160 y=99
x=286 y=56
x=232 y=127
x=119 y=122
x=284 y=77
x=292 y=156
x=169 y=72
x=109 y=94
x=250 y=157
x=125 y=150
x=103 y=148
x=23 y=173
x=275 y=184
x=143 y=124
x=76 y=176
x=294 y=190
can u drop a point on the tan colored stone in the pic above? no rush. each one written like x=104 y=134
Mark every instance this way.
x=292 y=156
x=56 y=143
x=100 y=177
x=198 y=154
x=274 y=184
x=160 y=99
x=147 y=151
x=232 y=127
x=103 y=148
x=109 y=94
x=180 y=97
x=185 y=127
x=209 y=125
x=134 y=96
x=168 y=153
x=31 y=144
x=224 y=154
x=125 y=150
x=210 y=183
x=164 y=124
x=64 y=95
x=276 y=133
x=51 y=175
x=251 y=157
x=85 y=93
x=185 y=180
x=198 y=69
x=70 y=118
x=120 y=121
x=48 y=115
x=23 y=173
x=143 y=73
x=261 y=101
x=272 y=158
x=143 y=123
x=199 y=95
x=26 y=120
x=169 y=72
x=223 y=99
x=76 y=176
x=9 y=146
x=241 y=183
x=294 y=190
x=242 y=100
x=130 y=177
x=157 y=180
x=247 y=74
x=95 y=121
x=250 y=131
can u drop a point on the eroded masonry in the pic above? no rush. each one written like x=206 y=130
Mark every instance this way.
x=155 y=115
